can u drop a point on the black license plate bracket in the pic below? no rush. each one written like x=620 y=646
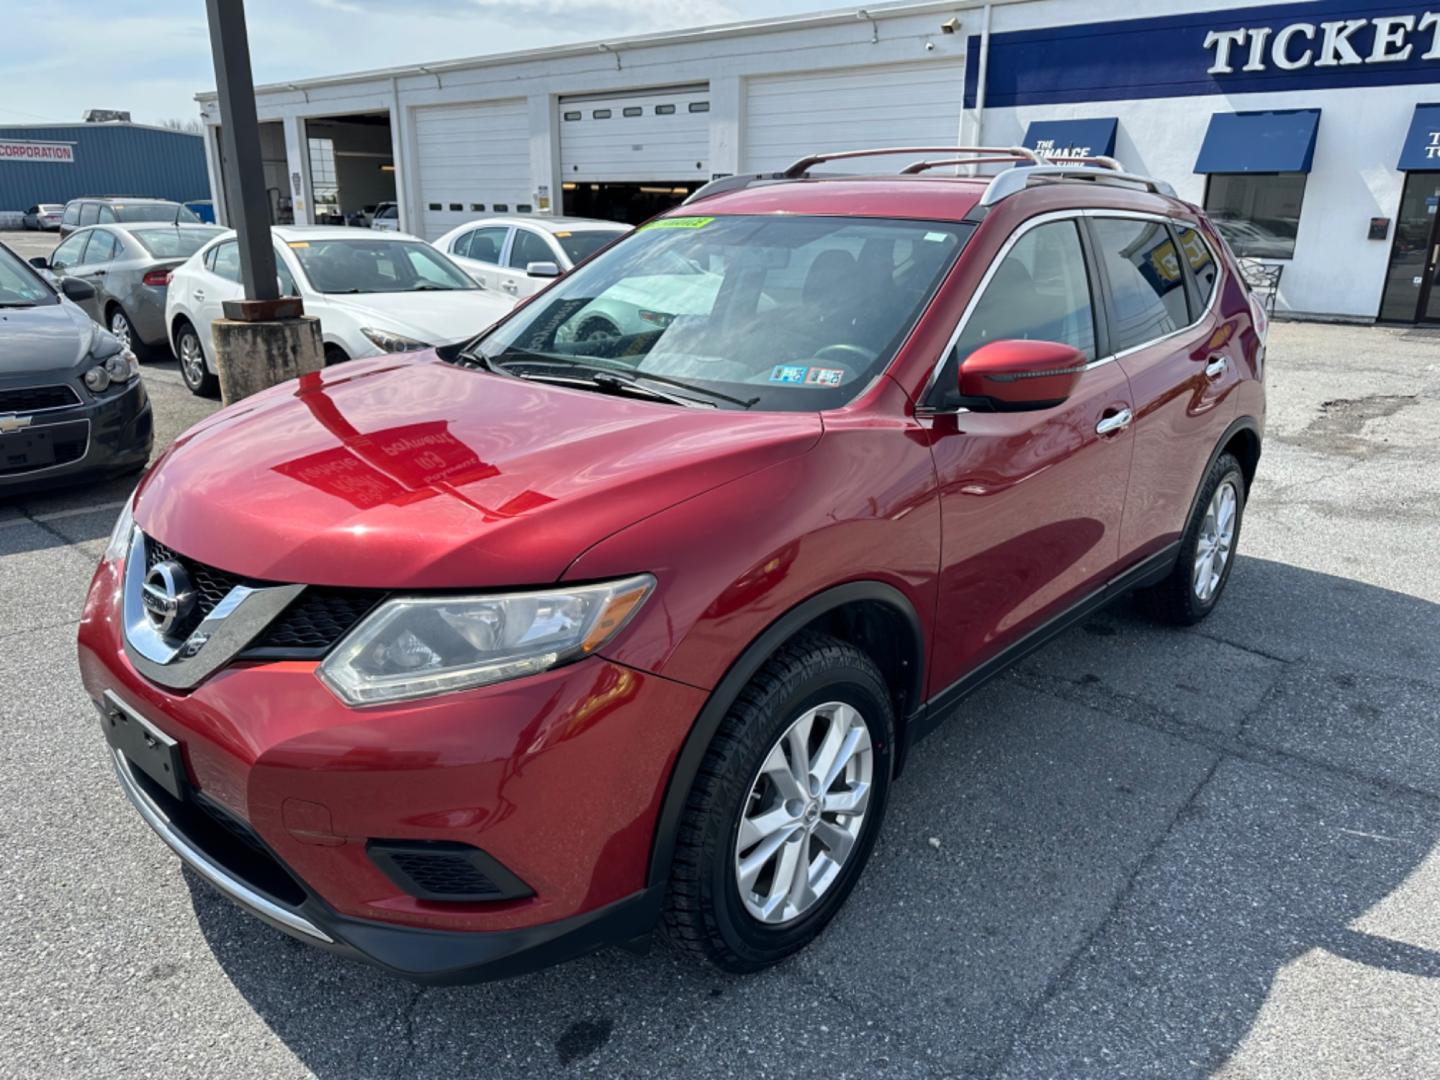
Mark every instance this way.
x=144 y=745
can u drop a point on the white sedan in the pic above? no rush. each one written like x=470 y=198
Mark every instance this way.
x=518 y=256
x=374 y=293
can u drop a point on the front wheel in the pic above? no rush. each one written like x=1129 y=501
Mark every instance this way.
x=1207 y=549
x=191 y=355
x=785 y=808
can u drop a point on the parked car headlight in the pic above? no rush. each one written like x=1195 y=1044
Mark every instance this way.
x=414 y=647
x=384 y=339
x=119 y=545
x=120 y=367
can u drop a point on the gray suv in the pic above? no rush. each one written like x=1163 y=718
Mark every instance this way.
x=114 y=209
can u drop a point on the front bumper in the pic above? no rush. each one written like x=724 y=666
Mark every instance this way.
x=429 y=956
x=558 y=777
x=117 y=432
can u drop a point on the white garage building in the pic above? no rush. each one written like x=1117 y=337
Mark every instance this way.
x=1312 y=130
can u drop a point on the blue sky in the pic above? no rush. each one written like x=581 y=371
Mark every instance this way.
x=152 y=58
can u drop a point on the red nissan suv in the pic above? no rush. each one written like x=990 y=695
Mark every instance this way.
x=628 y=612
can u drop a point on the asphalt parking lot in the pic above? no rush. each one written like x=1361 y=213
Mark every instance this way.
x=1144 y=853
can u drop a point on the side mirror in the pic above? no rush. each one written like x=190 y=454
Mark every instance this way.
x=77 y=290
x=40 y=262
x=1009 y=376
x=542 y=269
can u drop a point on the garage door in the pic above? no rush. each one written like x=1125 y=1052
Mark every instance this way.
x=473 y=159
x=787 y=117
x=652 y=135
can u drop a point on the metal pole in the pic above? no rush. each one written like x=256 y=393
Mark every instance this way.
x=244 y=174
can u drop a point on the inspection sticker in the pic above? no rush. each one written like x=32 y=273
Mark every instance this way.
x=789 y=373
x=824 y=376
x=677 y=223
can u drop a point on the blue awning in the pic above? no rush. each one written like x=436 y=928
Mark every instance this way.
x=1422 y=146
x=1259 y=142
x=1072 y=138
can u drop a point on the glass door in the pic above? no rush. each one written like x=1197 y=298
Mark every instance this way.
x=1412 y=293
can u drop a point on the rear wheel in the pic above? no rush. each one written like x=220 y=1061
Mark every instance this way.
x=1207 y=549
x=785 y=808
x=191 y=355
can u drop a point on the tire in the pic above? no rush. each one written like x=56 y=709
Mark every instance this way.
x=1187 y=595
x=191 y=354
x=123 y=330
x=707 y=913
x=334 y=355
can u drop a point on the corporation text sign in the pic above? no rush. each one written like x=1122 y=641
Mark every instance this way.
x=62 y=153
x=1274 y=47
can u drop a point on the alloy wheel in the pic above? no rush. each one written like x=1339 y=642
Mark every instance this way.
x=804 y=813
x=120 y=329
x=192 y=359
x=1216 y=539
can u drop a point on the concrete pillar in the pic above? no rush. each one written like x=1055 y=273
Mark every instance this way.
x=253 y=356
x=297 y=155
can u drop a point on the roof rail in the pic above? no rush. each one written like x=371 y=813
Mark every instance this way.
x=926 y=164
x=1012 y=181
x=973 y=155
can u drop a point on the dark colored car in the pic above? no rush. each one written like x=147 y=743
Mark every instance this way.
x=482 y=657
x=115 y=209
x=72 y=406
x=129 y=267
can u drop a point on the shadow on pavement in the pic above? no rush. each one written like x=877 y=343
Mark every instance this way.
x=1101 y=867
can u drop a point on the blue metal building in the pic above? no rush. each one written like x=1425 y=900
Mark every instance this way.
x=58 y=162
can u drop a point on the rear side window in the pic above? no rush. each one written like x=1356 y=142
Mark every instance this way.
x=1147 y=285
x=483 y=245
x=226 y=262
x=103 y=246
x=1203 y=266
x=89 y=213
x=107 y=216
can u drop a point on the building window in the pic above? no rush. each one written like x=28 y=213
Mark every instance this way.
x=457 y=206
x=631 y=110
x=436 y=206
x=664 y=110
x=699 y=106
x=501 y=208
x=477 y=207
x=1258 y=213
x=572 y=115
x=524 y=208
x=601 y=114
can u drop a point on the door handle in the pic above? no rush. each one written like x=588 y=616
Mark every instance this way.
x=1216 y=367
x=1114 y=422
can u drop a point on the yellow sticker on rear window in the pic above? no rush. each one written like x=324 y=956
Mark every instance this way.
x=678 y=223
x=299 y=243
x=562 y=234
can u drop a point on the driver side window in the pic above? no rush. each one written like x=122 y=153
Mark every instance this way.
x=1040 y=291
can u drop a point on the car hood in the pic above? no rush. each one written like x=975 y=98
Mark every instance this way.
x=436 y=318
x=413 y=473
x=47 y=339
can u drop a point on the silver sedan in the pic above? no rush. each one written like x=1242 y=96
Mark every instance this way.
x=129 y=268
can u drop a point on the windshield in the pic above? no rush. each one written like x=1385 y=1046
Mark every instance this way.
x=174 y=243
x=579 y=246
x=377 y=266
x=790 y=313
x=172 y=212
x=19 y=285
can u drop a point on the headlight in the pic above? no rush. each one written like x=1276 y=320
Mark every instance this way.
x=119 y=545
x=383 y=339
x=120 y=367
x=418 y=646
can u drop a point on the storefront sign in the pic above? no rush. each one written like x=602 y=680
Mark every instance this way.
x=63 y=153
x=1072 y=138
x=1323 y=44
x=1421 y=151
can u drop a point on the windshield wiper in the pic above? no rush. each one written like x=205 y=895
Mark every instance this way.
x=17 y=303
x=595 y=363
x=612 y=383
